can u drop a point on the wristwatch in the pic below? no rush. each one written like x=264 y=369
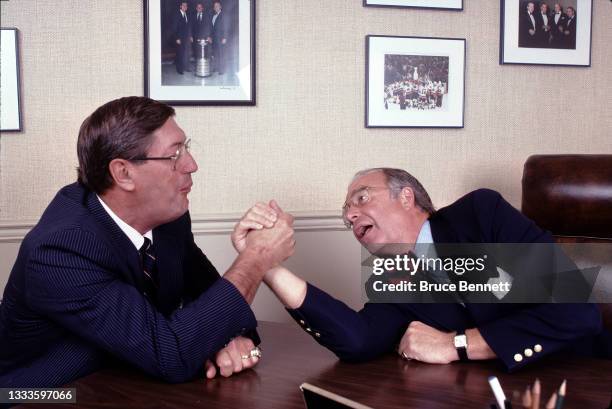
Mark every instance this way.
x=461 y=345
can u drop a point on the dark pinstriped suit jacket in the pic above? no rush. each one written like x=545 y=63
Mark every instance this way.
x=74 y=297
x=482 y=216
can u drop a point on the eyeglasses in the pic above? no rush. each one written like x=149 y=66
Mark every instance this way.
x=359 y=198
x=180 y=153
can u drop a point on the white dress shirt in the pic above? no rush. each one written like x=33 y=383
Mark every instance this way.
x=135 y=237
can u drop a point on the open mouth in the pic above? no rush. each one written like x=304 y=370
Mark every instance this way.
x=363 y=230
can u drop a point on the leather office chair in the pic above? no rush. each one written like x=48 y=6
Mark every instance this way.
x=571 y=196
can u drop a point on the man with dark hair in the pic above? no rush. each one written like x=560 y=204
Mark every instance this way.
x=182 y=38
x=528 y=27
x=201 y=28
x=387 y=206
x=112 y=269
x=544 y=26
x=569 y=29
x=220 y=34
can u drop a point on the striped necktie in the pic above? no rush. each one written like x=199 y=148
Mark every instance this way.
x=147 y=257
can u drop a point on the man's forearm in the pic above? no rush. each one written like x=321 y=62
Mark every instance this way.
x=289 y=288
x=247 y=272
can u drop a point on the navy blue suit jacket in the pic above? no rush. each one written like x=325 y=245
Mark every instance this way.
x=482 y=216
x=201 y=29
x=525 y=24
x=182 y=28
x=74 y=299
x=220 y=29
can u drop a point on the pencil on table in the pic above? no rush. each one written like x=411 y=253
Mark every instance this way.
x=552 y=401
x=537 y=388
x=561 y=396
x=527 y=398
x=498 y=392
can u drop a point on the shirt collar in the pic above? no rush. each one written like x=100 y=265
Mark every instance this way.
x=425 y=236
x=135 y=237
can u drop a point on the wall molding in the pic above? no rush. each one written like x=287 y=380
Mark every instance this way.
x=15 y=231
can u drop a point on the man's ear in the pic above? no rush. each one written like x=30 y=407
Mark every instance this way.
x=121 y=171
x=406 y=197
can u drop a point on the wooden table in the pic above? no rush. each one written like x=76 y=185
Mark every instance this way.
x=291 y=357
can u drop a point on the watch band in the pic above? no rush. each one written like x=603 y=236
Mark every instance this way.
x=462 y=351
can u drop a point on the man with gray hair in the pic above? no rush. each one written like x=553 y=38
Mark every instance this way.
x=384 y=206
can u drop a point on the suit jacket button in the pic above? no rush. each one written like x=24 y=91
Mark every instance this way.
x=302 y=322
x=317 y=335
x=528 y=352
x=518 y=357
x=537 y=348
x=308 y=329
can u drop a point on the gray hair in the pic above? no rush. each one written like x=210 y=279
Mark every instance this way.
x=397 y=179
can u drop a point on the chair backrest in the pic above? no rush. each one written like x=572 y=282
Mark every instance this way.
x=571 y=196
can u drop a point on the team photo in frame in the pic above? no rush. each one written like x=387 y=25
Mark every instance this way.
x=414 y=82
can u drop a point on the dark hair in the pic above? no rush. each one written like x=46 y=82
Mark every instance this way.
x=118 y=129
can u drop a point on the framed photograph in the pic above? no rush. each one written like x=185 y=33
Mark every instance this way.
x=200 y=52
x=546 y=33
x=414 y=82
x=422 y=4
x=10 y=114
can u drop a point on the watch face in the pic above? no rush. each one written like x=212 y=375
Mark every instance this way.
x=460 y=341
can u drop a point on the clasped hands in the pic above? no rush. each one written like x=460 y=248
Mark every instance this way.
x=269 y=231
x=268 y=228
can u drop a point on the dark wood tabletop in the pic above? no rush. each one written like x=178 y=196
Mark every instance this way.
x=291 y=357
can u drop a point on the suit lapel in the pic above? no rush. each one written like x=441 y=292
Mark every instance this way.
x=168 y=254
x=441 y=231
x=169 y=269
x=125 y=253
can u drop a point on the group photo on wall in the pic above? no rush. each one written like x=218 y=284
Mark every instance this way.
x=546 y=32
x=548 y=24
x=415 y=82
x=199 y=39
x=200 y=52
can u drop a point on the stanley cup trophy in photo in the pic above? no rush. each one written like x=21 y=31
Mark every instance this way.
x=202 y=61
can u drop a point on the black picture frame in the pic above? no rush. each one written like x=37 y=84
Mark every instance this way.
x=529 y=41
x=205 y=79
x=400 y=97
x=11 y=116
x=454 y=5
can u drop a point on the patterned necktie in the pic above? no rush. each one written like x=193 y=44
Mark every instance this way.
x=147 y=257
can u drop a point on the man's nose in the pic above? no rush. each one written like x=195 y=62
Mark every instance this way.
x=352 y=213
x=191 y=165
